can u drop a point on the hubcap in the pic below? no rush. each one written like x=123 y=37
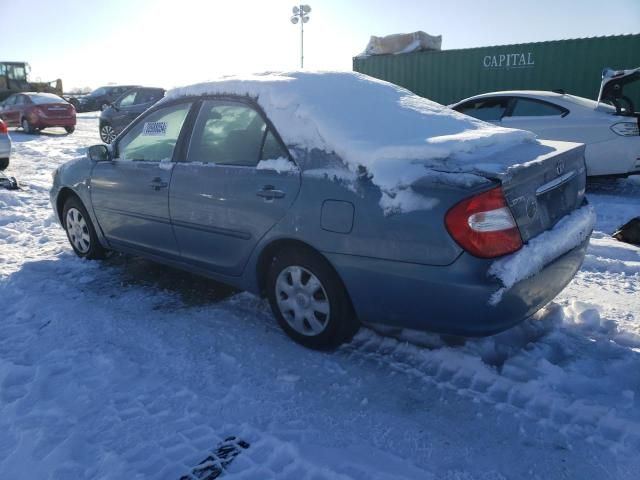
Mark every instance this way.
x=78 y=231
x=25 y=126
x=107 y=133
x=302 y=300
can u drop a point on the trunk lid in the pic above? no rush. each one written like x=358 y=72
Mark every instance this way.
x=542 y=191
x=612 y=89
x=57 y=110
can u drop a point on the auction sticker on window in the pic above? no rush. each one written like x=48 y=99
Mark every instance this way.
x=155 y=129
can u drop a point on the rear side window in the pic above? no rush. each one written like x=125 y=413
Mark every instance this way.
x=489 y=109
x=532 y=108
x=154 y=138
x=272 y=148
x=148 y=96
x=227 y=134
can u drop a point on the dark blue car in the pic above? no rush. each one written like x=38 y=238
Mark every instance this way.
x=125 y=109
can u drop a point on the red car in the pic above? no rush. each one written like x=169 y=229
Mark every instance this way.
x=36 y=111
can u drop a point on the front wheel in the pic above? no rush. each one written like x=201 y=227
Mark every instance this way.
x=309 y=300
x=80 y=231
x=70 y=130
x=107 y=133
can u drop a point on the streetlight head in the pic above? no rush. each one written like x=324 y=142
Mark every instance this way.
x=296 y=10
x=305 y=19
x=294 y=20
x=306 y=8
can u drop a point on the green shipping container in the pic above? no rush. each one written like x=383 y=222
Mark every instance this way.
x=447 y=76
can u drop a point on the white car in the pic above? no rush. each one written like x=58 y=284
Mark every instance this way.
x=608 y=127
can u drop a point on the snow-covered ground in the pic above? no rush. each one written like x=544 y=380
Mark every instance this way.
x=126 y=369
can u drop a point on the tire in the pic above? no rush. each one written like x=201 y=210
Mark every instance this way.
x=4 y=163
x=26 y=126
x=80 y=231
x=70 y=130
x=107 y=133
x=309 y=300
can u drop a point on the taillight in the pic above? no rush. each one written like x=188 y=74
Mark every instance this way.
x=3 y=127
x=483 y=225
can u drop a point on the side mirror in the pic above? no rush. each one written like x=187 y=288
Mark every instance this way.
x=99 y=153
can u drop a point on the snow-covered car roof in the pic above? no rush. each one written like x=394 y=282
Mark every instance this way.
x=397 y=136
x=364 y=120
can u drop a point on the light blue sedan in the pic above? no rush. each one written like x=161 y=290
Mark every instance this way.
x=341 y=199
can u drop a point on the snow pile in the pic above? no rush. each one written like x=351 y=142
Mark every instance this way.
x=280 y=165
x=395 y=135
x=568 y=233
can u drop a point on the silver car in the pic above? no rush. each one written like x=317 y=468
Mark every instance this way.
x=205 y=182
x=5 y=146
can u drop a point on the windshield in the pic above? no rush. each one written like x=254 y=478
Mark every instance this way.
x=44 y=98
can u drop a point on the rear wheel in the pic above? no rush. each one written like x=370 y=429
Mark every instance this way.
x=80 y=231
x=70 y=130
x=309 y=300
x=26 y=126
x=107 y=133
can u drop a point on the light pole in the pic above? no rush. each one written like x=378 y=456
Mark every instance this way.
x=301 y=14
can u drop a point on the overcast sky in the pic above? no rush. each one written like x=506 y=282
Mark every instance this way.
x=169 y=43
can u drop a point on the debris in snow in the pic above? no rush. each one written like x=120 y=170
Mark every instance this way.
x=216 y=462
x=568 y=233
x=629 y=232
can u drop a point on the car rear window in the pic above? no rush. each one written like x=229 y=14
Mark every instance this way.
x=46 y=98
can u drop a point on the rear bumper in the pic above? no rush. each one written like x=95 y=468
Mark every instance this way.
x=453 y=299
x=54 y=122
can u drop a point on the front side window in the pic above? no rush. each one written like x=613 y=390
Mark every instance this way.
x=154 y=138
x=128 y=100
x=531 y=108
x=488 y=109
x=227 y=134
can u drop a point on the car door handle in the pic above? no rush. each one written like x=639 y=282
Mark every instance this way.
x=269 y=192
x=157 y=184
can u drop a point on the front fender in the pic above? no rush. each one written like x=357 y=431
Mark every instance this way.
x=75 y=176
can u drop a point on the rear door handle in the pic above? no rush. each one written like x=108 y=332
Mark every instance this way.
x=157 y=184
x=269 y=192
